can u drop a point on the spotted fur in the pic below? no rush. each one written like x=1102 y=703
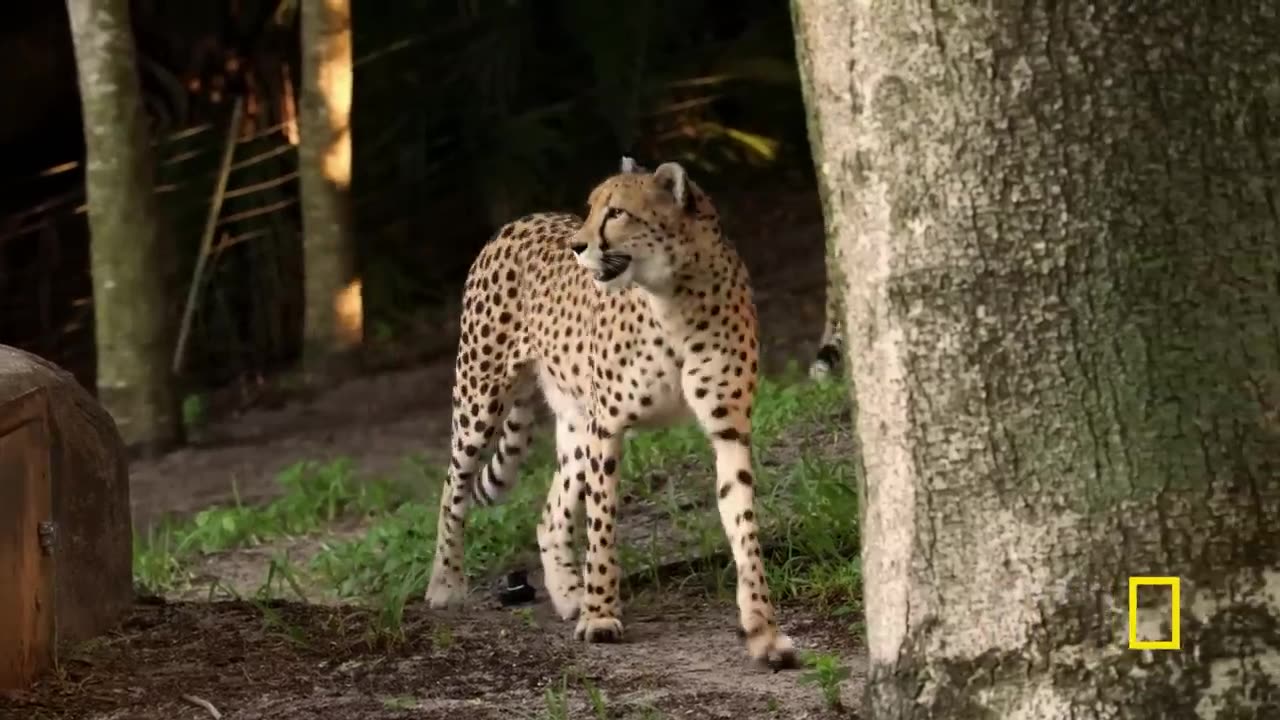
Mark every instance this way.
x=637 y=317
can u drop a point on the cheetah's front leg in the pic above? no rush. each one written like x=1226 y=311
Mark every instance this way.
x=559 y=515
x=724 y=416
x=599 y=619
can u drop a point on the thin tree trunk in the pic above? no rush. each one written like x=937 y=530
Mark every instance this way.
x=333 y=322
x=1062 y=248
x=131 y=263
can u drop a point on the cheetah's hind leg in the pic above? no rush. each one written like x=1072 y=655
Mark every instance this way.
x=475 y=422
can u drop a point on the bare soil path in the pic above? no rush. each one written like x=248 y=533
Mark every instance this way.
x=681 y=659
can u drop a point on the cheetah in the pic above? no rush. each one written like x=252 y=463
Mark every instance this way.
x=639 y=316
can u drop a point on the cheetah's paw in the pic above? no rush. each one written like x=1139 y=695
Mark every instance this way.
x=446 y=591
x=772 y=647
x=564 y=587
x=598 y=629
x=566 y=602
x=820 y=370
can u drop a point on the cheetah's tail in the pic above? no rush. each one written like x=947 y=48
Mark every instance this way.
x=826 y=361
x=503 y=469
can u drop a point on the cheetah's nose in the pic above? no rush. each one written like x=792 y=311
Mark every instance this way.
x=578 y=248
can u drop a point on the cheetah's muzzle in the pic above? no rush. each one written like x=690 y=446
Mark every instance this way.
x=614 y=265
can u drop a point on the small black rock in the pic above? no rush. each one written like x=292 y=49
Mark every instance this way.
x=518 y=590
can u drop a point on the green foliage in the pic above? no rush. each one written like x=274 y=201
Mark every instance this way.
x=156 y=566
x=826 y=671
x=313 y=496
x=595 y=696
x=195 y=411
x=790 y=404
x=442 y=637
x=814 y=527
x=556 y=700
x=392 y=560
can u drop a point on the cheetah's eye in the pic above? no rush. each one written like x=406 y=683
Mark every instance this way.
x=613 y=213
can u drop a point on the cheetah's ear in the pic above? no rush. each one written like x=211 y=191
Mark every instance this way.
x=671 y=177
x=630 y=166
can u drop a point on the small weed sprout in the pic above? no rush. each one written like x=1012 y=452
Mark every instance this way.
x=556 y=700
x=826 y=671
x=442 y=637
x=596 y=697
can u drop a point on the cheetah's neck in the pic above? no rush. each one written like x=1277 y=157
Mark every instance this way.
x=694 y=301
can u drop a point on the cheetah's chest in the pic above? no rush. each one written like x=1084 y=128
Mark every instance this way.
x=623 y=370
x=637 y=382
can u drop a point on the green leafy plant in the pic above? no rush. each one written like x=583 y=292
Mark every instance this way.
x=826 y=671
x=556 y=700
x=596 y=698
x=195 y=412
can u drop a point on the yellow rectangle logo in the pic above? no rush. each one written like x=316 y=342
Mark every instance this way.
x=1174 y=585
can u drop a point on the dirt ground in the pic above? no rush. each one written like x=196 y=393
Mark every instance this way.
x=681 y=658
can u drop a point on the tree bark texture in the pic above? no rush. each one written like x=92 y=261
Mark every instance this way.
x=1061 y=240
x=131 y=262
x=333 y=322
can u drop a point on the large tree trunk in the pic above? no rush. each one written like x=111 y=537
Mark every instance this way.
x=1061 y=238
x=131 y=263
x=333 y=322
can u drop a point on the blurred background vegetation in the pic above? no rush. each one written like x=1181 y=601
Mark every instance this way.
x=467 y=113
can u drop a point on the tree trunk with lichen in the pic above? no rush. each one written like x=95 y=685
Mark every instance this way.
x=1060 y=231
x=131 y=263
x=333 y=320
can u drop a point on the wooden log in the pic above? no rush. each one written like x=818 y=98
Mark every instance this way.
x=88 y=482
x=27 y=546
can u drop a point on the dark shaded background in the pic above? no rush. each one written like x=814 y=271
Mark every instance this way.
x=466 y=114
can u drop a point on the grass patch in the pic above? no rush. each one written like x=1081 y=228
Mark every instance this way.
x=556 y=698
x=812 y=516
x=805 y=493
x=313 y=496
x=395 y=553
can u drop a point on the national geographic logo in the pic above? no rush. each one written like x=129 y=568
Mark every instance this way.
x=1175 y=606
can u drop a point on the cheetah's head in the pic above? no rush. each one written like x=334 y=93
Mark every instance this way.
x=643 y=228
